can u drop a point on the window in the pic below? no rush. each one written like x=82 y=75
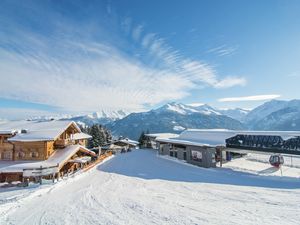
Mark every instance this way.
x=213 y=157
x=34 y=154
x=171 y=153
x=184 y=155
x=21 y=155
x=196 y=156
x=7 y=155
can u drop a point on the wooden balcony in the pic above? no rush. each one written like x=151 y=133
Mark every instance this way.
x=63 y=143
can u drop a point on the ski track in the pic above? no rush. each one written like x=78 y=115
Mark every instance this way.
x=141 y=188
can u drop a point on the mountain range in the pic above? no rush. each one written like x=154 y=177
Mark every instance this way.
x=172 y=117
x=176 y=117
x=102 y=117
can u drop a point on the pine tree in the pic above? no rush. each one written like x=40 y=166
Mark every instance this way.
x=100 y=135
x=142 y=139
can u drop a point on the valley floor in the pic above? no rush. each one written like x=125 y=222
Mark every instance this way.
x=142 y=188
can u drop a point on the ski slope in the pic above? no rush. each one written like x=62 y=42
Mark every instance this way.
x=142 y=188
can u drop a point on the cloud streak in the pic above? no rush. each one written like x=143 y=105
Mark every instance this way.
x=223 y=50
x=83 y=72
x=249 y=98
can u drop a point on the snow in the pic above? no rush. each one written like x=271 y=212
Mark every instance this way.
x=112 y=114
x=200 y=137
x=79 y=136
x=81 y=159
x=128 y=141
x=178 y=128
x=35 y=130
x=60 y=156
x=178 y=108
x=217 y=137
x=162 y=135
x=142 y=188
x=189 y=109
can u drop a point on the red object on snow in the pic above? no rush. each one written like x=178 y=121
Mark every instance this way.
x=276 y=160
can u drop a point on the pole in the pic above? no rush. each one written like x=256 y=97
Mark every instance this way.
x=221 y=159
x=41 y=176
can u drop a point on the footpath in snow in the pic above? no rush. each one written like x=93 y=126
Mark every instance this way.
x=142 y=188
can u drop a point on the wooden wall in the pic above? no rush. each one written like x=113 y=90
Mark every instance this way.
x=6 y=148
x=38 y=150
x=31 y=150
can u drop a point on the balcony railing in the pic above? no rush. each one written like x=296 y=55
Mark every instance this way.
x=63 y=143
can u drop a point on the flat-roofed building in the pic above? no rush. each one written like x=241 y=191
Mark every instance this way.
x=203 y=147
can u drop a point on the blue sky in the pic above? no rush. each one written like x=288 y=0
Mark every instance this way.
x=84 y=56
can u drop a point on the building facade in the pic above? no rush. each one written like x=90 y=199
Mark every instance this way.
x=202 y=156
x=32 y=145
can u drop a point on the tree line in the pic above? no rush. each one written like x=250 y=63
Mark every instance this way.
x=100 y=135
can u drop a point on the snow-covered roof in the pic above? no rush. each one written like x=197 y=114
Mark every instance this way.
x=83 y=159
x=79 y=136
x=217 y=137
x=162 y=135
x=7 y=131
x=127 y=141
x=60 y=157
x=36 y=130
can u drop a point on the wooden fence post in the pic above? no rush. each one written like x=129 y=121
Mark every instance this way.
x=41 y=175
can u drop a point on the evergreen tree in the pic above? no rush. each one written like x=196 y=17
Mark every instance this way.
x=100 y=135
x=142 y=139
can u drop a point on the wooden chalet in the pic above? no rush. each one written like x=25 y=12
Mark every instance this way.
x=31 y=149
x=120 y=145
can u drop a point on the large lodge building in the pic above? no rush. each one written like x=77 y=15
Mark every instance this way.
x=28 y=147
x=204 y=147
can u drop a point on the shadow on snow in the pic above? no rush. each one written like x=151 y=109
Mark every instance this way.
x=146 y=165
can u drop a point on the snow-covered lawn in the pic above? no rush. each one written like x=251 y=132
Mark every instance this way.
x=141 y=188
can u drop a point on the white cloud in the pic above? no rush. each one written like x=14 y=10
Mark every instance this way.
x=223 y=50
x=126 y=24
x=230 y=82
x=101 y=78
x=198 y=72
x=147 y=39
x=88 y=74
x=137 y=31
x=249 y=98
x=17 y=114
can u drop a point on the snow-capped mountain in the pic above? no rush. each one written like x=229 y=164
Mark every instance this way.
x=187 y=109
x=264 y=110
x=172 y=117
x=275 y=115
x=102 y=117
x=237 y=113
x=110 y=114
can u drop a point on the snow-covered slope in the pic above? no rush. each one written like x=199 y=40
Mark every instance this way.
x=275 y=115
x=187 y=109
x=236 y=113
x=264 y=110
x=142 y=188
